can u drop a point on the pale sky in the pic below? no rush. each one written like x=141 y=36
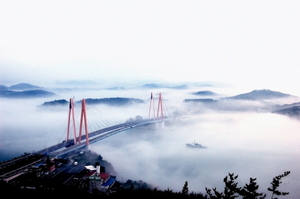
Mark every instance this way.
x=246 y=43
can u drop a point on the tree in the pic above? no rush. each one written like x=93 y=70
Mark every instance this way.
x=250 y=191
x=231 y=190
x=275 y=184
x=185 y=189
x=138 y=118
x=215 y=195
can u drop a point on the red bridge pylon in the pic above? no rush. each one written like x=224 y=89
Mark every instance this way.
x=160 y=112
x=83 y=121
x=71 y=112
x=151 y=106
x=160 y=108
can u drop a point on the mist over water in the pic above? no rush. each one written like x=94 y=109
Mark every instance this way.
x=247 y=143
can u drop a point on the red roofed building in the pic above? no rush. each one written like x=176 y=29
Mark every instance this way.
x=104 y=176
x=97 y=180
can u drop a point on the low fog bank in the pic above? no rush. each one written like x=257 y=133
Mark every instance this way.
x=26 y=128
x=241 y=136
x=247 y=144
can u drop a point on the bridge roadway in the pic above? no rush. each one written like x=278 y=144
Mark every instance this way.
x=68 y=146
x=101 y=134
x=94 y=137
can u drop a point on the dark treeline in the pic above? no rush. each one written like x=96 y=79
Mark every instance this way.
x=231 y=190
x=112 y=101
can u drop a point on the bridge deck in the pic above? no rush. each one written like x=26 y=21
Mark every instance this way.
x=68 y=146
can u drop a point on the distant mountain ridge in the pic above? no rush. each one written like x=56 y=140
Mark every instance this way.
x=113 y=101
x=24 y=86
x=3 y=87
x=77 y=83
x=23 y=90
x=260 y=95
x=253 y=95
x=204 y=93
x=204 y=100
x=156 y=86
x=25 y=94
x=56 y=102
x=293 y=111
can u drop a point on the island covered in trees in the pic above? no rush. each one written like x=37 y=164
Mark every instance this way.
x=111 y=101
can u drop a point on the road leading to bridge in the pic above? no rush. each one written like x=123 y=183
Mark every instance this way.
x=101 y=134
x=68 y=146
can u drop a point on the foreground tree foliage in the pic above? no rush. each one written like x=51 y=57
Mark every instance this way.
x=230 y=191
x=185 y=189
x=249 y=191
x=275 y=184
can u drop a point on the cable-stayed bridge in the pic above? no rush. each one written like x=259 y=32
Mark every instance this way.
x=85 y=138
